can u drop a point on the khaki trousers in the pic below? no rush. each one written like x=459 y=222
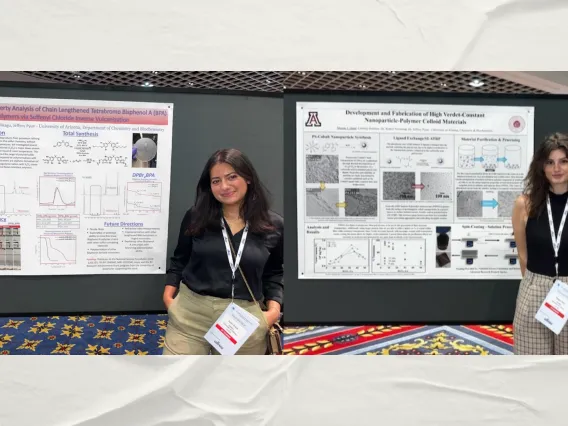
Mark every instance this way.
x=191 y=315
x=530 y=337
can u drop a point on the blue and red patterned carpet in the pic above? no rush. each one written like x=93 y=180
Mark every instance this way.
x=143 y=335
x=400 y=340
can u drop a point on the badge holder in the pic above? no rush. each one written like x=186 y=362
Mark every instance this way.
x=552 y=312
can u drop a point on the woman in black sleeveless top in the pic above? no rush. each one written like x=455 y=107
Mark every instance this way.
x=547 y=179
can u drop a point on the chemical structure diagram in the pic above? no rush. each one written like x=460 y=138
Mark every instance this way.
x=405 y=161
x=330 y=147
x=84 y=143
x=312 y=147
x=107 y=159
x=110 y=145
x=59 y=159
x=325 y=148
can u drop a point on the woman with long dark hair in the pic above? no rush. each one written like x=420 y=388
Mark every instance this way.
x=228 y=233
x=537 y=223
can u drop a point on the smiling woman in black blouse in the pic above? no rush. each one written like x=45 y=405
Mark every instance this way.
x=229 y=195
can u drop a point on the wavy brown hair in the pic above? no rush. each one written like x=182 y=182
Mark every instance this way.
x=536 y=183
x=207 y=211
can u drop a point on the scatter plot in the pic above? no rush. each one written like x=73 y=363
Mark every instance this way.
x=361 y=202
x=437 y=186
x=322 y=168
x=506 y=201
x=322 y=202
x=470 y=204
x=333 y=255
x=399 y=186
x=398 y=256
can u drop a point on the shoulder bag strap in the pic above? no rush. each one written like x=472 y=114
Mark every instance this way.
x=248 y=287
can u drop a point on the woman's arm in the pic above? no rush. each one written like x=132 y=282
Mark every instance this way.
x=178 y=261
x=273 y=279
x=519 y=221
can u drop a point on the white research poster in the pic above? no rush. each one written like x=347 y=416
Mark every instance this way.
x=84 y=186
x=405 y=191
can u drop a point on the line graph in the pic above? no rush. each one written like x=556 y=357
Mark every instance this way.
x=335 y=255
x=57 y=191
x=101 y=198
x=144 y=197
x=58 y=249
x=15 y=198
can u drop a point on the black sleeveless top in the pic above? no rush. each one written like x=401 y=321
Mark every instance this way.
x=540 y=253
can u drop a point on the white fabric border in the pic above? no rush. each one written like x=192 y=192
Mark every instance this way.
x=494 y=35
x=144 y=391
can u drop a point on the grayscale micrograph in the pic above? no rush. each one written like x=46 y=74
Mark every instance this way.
x=399 y=186
x=470 y=204
x=437 y=186
x=506 y=200
x=361 y=202
x=322 y=202
x=322 y=168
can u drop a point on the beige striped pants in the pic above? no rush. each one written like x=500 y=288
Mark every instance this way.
x=530 y=337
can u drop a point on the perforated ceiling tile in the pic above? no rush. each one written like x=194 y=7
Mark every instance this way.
x=270 y=81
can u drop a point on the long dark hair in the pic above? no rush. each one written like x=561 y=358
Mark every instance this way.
x=536 y=183
x=207 y=211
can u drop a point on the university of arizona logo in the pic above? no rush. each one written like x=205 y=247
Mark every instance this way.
x=313 y=119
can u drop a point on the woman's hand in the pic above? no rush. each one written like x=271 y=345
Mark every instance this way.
x=168 y=297
x=272 y=314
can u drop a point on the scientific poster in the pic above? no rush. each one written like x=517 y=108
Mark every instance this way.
x=409 y=191
x=84 y=186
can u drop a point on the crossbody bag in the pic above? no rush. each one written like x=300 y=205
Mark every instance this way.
x=274 y=336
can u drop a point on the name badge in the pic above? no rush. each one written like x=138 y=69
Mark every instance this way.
x=231 y=330
x=552 y=312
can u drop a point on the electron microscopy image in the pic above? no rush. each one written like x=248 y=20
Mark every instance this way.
x=470 y=204
x=437 y=186
x=322 y=202
x=399 y=186
x=506 y=200
x=361 y=202
x=322 y=168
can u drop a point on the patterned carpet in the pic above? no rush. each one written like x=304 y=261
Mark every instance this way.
x=143 y=335
x=400 y=340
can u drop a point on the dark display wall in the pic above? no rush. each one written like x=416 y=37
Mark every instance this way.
x=399 y=301
x=203 y=123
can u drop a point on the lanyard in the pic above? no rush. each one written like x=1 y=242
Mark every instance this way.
x=234 y=264
x=556 y=238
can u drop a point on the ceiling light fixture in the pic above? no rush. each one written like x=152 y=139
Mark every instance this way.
x=476 y=83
